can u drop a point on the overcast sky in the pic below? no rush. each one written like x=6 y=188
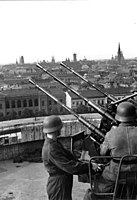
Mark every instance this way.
x=39 y=30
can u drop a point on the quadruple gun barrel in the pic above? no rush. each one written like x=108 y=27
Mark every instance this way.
x=93 y=105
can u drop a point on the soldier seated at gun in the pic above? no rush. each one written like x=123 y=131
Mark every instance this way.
x=118 y=142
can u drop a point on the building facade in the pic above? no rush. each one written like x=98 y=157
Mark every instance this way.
x=17 y=103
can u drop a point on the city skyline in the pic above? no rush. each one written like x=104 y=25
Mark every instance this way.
x=39 y=30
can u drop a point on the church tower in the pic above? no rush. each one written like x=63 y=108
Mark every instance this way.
x=120 y=56
x=74 y=57
x=21 y=60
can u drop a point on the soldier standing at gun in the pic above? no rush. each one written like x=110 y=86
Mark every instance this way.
x=59 y=162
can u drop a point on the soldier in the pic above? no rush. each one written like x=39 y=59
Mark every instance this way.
x=59 y=162
x=119 y=141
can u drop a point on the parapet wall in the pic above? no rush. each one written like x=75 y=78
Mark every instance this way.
x=32 y=137
x=35 y=132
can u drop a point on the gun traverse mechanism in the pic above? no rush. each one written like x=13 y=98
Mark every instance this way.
x=112 y=98
x=93 y=105
x=96 y=135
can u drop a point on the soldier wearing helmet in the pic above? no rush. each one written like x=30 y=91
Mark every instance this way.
x=126 y=112
x=119 y=141
x=59 y=162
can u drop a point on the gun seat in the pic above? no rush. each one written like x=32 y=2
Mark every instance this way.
x=125 y=186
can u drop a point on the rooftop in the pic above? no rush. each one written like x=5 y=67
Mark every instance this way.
x=28 y=181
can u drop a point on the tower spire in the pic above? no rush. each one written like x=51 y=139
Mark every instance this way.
x=120 y=54
x=119 y=50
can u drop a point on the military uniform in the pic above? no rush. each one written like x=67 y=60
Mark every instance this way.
x=119 y=141
x=61 y=165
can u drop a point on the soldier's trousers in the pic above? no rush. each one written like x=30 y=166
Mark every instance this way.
x=59 y=187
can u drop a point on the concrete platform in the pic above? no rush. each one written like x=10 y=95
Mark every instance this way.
x=27 y=181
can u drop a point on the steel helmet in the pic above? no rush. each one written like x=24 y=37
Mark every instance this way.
x=126 y=112
x=52 y=124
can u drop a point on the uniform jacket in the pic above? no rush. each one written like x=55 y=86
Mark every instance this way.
x=58 y=160
x=61 y=165
x=119 y=141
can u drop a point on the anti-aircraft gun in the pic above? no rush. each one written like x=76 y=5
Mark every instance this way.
x=100 y=110
x=110 y=119
x=97 y=136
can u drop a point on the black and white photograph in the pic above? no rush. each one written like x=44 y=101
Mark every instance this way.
x=68 y=99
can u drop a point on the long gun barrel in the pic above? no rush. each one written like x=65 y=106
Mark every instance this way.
x=112 y=98
x=124 y=99
x=81 y=119
x=101 y=111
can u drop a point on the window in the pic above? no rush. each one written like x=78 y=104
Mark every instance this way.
x=35 y=102
x=13 y=104
x=0 y=105
x=19 y=103
x=49 y=102
x=102 y=102
x=25 y=103
x=7 y=104
x=30 y=102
